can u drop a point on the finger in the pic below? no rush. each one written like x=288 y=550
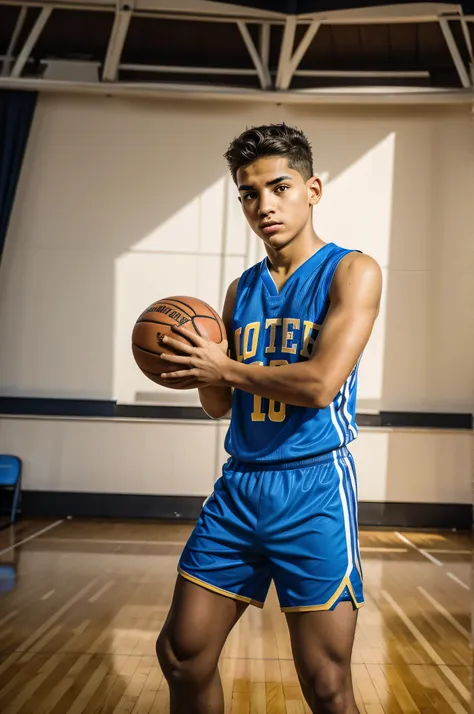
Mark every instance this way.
x=177 y=345
x=176 y=375
x=192 y=336
x=178 y=359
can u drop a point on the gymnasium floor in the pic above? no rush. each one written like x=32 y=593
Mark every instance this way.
x=81 y=603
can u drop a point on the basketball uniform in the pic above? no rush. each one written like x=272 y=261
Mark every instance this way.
x=285 y=507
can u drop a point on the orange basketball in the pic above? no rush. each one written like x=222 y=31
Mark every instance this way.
x=157 y=320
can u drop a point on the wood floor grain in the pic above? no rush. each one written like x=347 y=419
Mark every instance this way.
x=81 y=604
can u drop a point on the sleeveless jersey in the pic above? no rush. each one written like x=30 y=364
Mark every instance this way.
x=275 y=328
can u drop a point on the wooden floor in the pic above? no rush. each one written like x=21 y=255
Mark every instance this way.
x=81 y=603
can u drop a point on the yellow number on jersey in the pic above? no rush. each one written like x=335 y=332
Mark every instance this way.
x=276 y=410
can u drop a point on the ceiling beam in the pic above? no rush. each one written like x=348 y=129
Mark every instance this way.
x=286 y=49
x=31 y=40
x=352 y=96
x=455 y=53
x=467 y=39
x=181 y=69
x=363 y=74
x=7 y=61
x=292 y=65
x=265 y=29
x=116 y=43
x=262 y=70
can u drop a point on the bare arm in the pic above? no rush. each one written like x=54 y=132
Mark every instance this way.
x=216 y=400
x=354 y=305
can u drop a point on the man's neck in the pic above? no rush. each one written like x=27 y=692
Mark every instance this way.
x=284 y=262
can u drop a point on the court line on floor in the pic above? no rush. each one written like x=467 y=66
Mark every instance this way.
x=370 y=549
x=102 y=590
x=420 y=550
x=456 y=580
x=445 y=613
x=430 y=651
x=109 y=541
x=37 y=634
x=182 y=543
x=8 y=617
x=448 y=550
x=31 y=537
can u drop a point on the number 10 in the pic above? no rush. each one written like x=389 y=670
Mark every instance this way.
x=276 y=410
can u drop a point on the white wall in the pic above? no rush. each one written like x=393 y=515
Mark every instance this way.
x=185 y=458
x=121 y=202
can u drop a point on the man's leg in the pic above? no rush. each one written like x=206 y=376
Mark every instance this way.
x=322 y=646
x=189 y=646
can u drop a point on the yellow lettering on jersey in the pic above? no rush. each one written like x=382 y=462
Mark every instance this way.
x=253 y=330
x=272 y=323
x=238 y=352
x=308 y=340
x=287 y=335
x=257 y=414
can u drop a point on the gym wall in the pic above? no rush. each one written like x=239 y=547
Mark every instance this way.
x=121 y=202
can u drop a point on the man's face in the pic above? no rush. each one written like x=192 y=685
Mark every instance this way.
x=276 y=200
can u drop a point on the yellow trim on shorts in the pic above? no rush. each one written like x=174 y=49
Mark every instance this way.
x=219 y=591
x=327 y=605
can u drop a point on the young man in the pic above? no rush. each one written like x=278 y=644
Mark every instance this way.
x=285 y=507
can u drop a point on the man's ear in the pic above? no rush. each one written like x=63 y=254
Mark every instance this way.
x=315 y=190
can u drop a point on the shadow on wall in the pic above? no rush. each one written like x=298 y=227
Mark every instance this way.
x=398 y=187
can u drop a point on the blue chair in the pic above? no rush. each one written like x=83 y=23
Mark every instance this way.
x=10 y=478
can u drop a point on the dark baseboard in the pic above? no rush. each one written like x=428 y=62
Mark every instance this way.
x=96 y=408
x=110 y=505
x=35 y=406
x=146 y=411
x=416 y=515
x=427 y=420
x=60 y=504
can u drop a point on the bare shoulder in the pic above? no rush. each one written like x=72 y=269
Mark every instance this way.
x=358 y=275
x=229 y=303
x=232 y=289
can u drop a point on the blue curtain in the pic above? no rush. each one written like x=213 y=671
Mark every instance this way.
x=16 y=114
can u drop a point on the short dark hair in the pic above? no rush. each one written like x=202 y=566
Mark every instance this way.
x=271 y=140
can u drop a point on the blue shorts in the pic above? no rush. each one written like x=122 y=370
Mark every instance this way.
x=296 y=526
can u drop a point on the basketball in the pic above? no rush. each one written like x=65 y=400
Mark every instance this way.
x=158 y=320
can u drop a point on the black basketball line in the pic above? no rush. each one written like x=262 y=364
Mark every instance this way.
x=196 y=328
x=218 y=320
x=159 y=322
x=169 y=303
x=142 y=349
x=209 y=317
x=150 y=352
x=180 y=302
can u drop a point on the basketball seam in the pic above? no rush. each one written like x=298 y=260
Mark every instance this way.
x=208 y=317
x=169 y=303
x=179 y=302
x=143 y=349
x=195 y=326
x=159 y=322
x=218 y=320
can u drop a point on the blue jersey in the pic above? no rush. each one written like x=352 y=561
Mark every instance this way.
x=276 y=328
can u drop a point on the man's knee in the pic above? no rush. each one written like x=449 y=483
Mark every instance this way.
x=331 y=687
x=185 y=663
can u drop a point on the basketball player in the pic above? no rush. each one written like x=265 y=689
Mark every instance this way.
x=285 y=507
